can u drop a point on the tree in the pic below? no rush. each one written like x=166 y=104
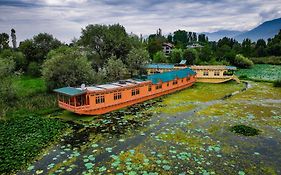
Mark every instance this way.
x=14 y=38
x=36 y=49
x=137 y=59
x=176 y=55
x=205 y=54
x=180 y=38
x=191 y=55
x=170 y=38
x=154 y=44
x=260 y=48
x=4 y=41
x=247 y=47
x=242 y=62
x=67 y=68
x=274 y=45
x=115 y=69
x=159 y=57
x=106 y=41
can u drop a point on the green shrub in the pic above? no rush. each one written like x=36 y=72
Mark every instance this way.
x=67 y=68
x=22 y=139
x=277 y=83
x=242 y=62
x=33 y=69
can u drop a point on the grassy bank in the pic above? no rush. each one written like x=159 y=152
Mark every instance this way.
x=275 y=60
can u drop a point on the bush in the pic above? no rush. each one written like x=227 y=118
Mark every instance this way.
x=67 y=68
x=115 y=69
x=242 y=62
x=277 y=83
x=33 y=69
x=22 y=139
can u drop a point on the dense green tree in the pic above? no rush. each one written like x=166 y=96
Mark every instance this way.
x=115 y=69
x=205 y=54
x=180 y=38
x=160 y=57
x=260 y=48
x=154 y=44
x=274 y=45
x=170 y=38
x=106 y=41
x=176 y=55
x=67 y=68
x=202 y=38
x=247 y=49
x=137 y=59
x=191 y=55
x=36 y=49
x=4 y=41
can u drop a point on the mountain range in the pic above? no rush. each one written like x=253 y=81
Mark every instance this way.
x=264 y=31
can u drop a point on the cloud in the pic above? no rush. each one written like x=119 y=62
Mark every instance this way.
x=65 y=18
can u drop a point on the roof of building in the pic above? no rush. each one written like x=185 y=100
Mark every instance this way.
x=70 y=91
x=168 y=44
x=215 y=67
x=159 y=66
x=169 y=76
x=183 y=62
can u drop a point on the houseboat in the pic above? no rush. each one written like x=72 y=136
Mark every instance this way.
x=163 y=67
x=100 y=99
x=215 y=74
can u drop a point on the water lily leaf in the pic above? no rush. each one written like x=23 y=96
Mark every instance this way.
x=166 y=167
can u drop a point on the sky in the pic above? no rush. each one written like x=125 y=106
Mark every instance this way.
x=64 y=19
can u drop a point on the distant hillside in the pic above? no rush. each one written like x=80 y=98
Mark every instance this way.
x=266 y=30
x=215 y=36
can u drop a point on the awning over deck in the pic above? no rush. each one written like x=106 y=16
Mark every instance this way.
x=70 y=91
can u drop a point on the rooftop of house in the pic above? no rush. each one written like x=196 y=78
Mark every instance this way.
x=215 y=67
x=168 y=44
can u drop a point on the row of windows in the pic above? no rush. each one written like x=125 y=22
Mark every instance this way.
x=118 y=95
x=100 y=99
x=135 y=92
x=207 y=73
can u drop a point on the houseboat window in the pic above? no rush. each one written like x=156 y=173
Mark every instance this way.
x=175 y=82
x=158 y=86
x=100 y=99
x=167 y=84
x=81 y=100
x=182 y=80
x=205 y=73
x=117 y=96
x=217 y=73
x=187 y=78
x=135 y=92
x=149 y=87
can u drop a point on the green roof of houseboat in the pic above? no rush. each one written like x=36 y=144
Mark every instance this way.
x=70 y=91
x=169 y=76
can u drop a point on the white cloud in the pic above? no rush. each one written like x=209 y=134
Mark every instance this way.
x=65 y=18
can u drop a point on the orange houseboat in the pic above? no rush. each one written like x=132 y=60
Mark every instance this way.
x=100 y=99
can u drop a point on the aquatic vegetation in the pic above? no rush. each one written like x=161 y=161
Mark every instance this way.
x=244 y=130
x=261 y=72
x=26 y=137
